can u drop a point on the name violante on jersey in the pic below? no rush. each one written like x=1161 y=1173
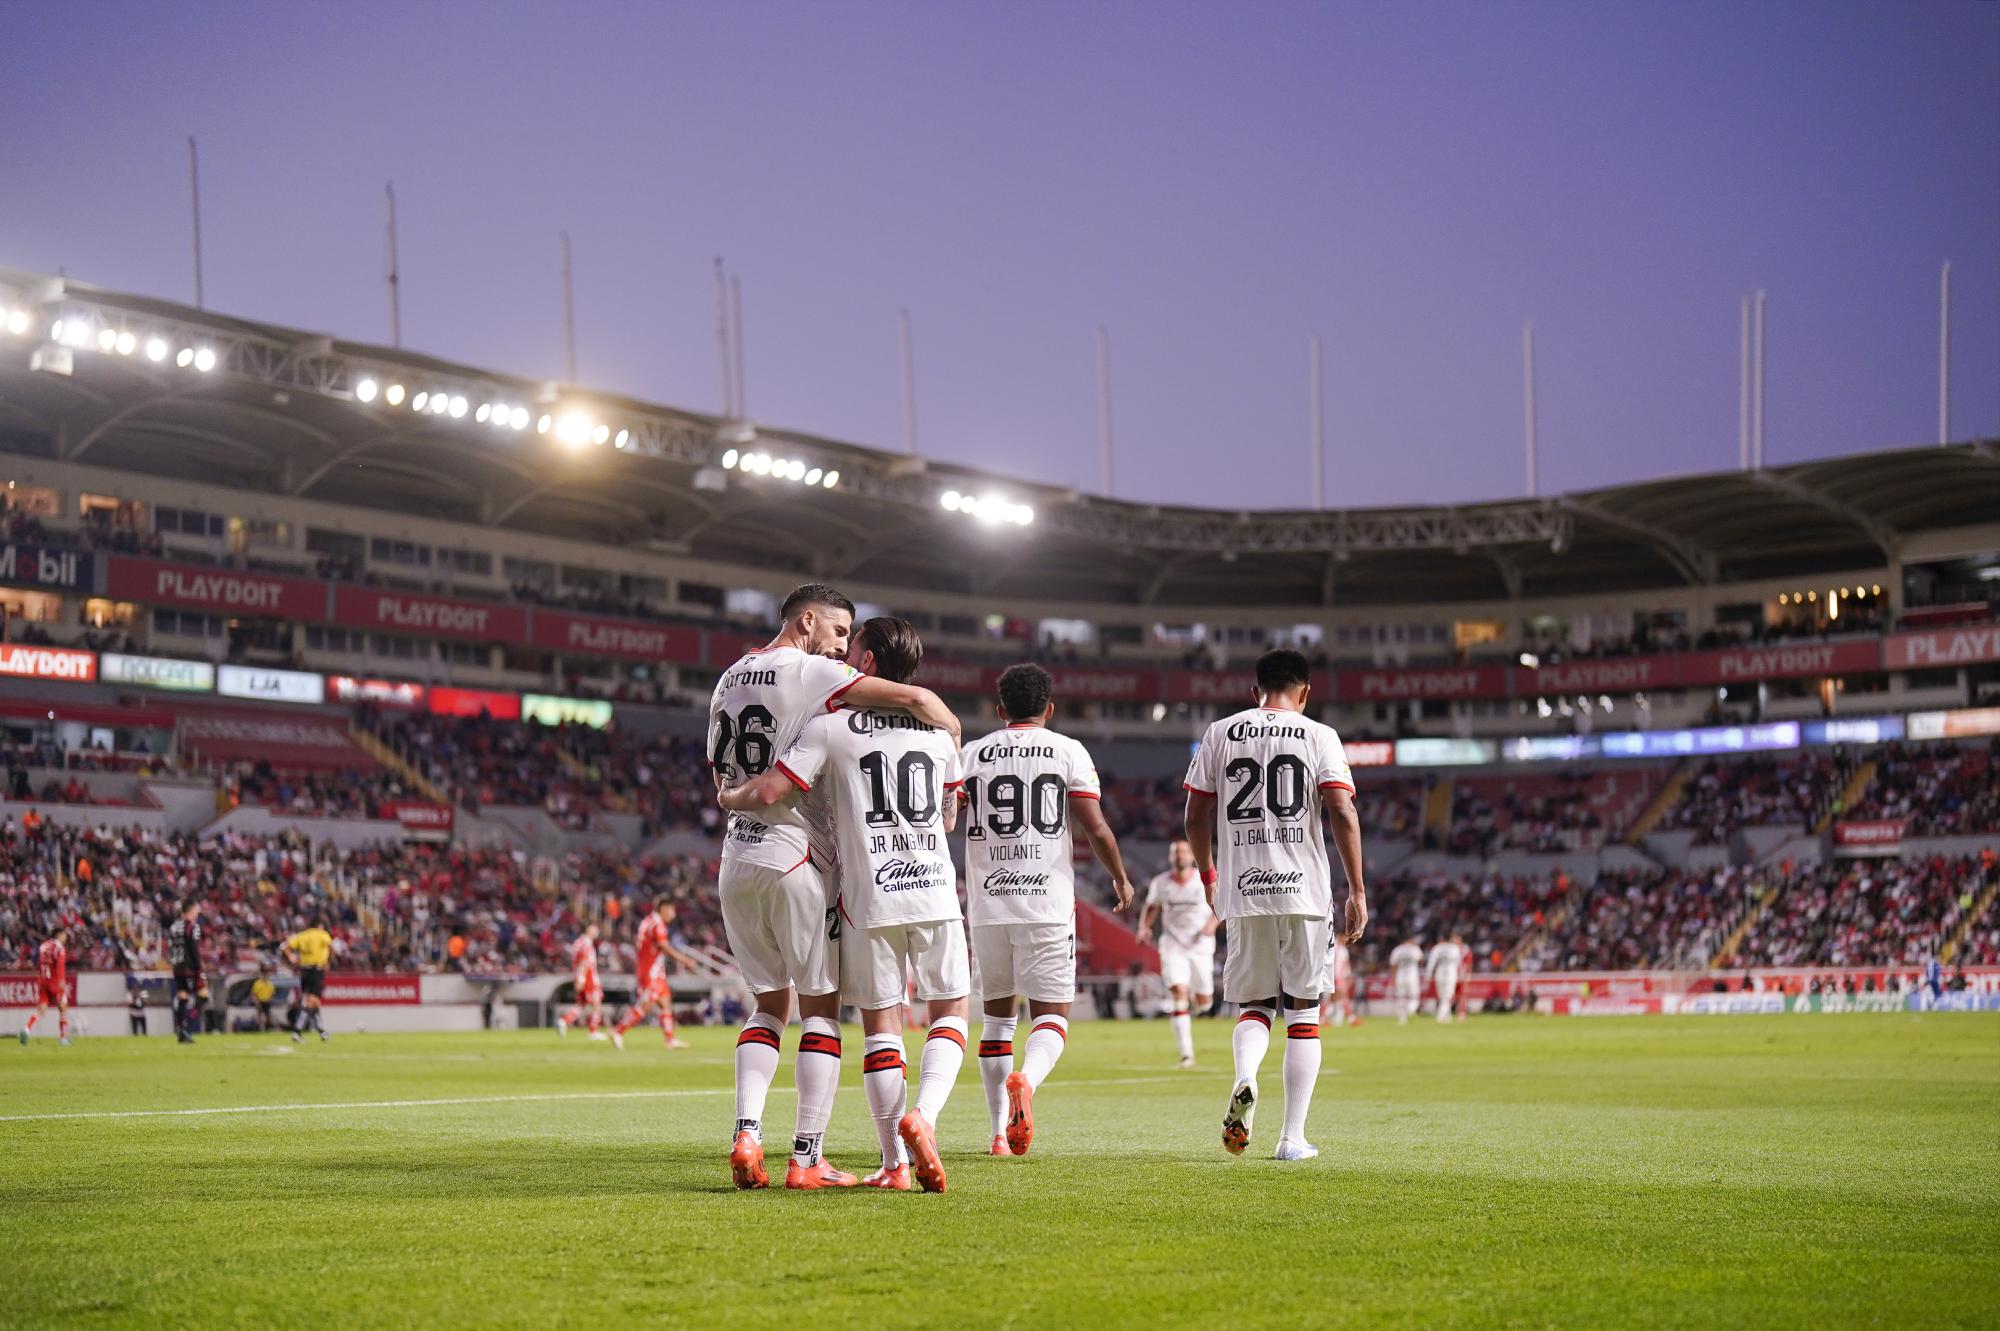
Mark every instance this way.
x=1019 y=866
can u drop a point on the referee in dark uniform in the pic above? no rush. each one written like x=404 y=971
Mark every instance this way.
x=190 y=985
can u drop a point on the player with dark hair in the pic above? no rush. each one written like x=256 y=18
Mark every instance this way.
x=190 y=984
x=1027 y=790
x=888 y=782
x=1276 y=775
x=310 y=950
x=51 y=984
x=777 y=908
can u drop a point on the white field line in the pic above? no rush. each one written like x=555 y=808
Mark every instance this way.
x=552 y=1097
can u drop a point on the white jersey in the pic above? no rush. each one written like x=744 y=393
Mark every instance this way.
x=1408 y=959
x=1268 y=770
x=759 y=707
x=1183 y=905
x=1444 y=961
x=886 y=777
x=1018 y=784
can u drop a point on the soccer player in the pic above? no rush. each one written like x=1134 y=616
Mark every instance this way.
x=892 y=781
x=1275 y=772
x=589 y=987
x=1465 y=975
x=1407 y=959
x=52 y=984
x=190 y=984
x=777 y=909
x=1339 y=997
x=1441 y=969
x=310 y=949
x=1024 y=784
x=654 y=995
x=1179 y=902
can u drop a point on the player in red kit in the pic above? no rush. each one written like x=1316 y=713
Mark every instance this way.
x=589 y=989
x=52 y=984
x=654 y=995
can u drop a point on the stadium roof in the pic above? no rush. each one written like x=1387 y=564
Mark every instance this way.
x=282 y=412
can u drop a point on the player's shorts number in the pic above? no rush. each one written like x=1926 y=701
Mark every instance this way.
x=1011 y=804
x=915 y=793
x=1282 y=782
x=743 y=742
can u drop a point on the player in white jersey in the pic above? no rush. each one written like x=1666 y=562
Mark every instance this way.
x=1265 y=777
x=890 y=782
x=1024 y=786
x=1441 y=968
x=776 y=906
x=1187 y=942
x=1407 y=960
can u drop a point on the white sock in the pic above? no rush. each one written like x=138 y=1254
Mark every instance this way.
x=756 y=1064
x=818 y=1074
x=1301 y=1069
x=944 y=1055
x=1183 y=1026
x=1250 y=1041
x=1045 y=1045
x=996 y=1060
x=882 y=1077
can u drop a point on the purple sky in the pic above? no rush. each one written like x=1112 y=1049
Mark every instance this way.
x=1210 y=182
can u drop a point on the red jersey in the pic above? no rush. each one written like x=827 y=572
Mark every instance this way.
x=652 y=945
x=583 y=958
x=53 y=958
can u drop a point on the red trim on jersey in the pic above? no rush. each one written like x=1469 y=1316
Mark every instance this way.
x=1197 y=790
x=953 y=785
x=1085 y=795
x=1336 y=785
x=807 y=860
x=794 y=778
x=833 y=699
x=1022 y=725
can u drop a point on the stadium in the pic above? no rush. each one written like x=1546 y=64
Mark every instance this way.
x=1678 y=802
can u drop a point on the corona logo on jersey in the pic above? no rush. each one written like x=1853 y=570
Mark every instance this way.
x=67 y=663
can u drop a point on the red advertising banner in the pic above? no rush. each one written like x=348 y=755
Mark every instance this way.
x=471 y=702
x=1370 y=752
x=69 y=663
x=1785 y=660
x=955 y=677
x=1444 y=682
x=1942 y=648
x=345 y=987
x=725 y=649
x=226 y=591
x=285 y=740
x=421 y=821
x=1096 y=685
x=24 y=989
x=401 y=694
x=1229 y=687
x=1611 y=674
x=428 y=616
x=1880 y=836
x=593 y=635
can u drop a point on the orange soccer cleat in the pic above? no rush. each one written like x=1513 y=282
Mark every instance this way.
x=889 y=1178
x=1020 y=1112
x=746 y=1162
x=921 y=1143
x=1000 y=1146
x=821 y=1174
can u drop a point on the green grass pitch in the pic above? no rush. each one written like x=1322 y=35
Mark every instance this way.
x=1824 y=1171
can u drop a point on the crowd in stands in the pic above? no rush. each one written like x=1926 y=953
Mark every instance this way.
x=1630 y=920
x=1486 y=821
x=1935 y=790
x=1862 y=912
x=1758 y=790
x=318 y=794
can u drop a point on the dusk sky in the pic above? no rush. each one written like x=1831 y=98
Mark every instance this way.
x=1212 y=183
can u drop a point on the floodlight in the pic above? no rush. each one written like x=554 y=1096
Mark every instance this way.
x=106 y=339
x=457 y=407
x=622 y=438
x=812 y=477
x=484 y=413
x=542 y=424
x=127 y=344
x=951 y=500
x=185 y=358
x=204 y=360
x=796 y=470
x=17 y=322
x=600 y=434
x=440 y=404
x=156 y=349
x=830 y=480
x=365 y=391
x=729 y=457
x=420 y=401
x=394 y=397
x=518 y=418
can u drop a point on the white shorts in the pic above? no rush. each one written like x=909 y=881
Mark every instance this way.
x=778 y=925
x=875 y=962
x=1447 y=987
x=1273 y=954
x=1193 y=966
x=1035 y=961
x=1409 y=989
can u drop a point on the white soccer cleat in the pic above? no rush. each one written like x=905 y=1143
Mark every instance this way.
x=1290 y=1150
x=618 y=1041
x=562 y=1028
x=1238 y=1117
x=1187 y=1061
x=599 y=1035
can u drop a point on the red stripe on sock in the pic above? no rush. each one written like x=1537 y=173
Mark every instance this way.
x=882 y=1060
x=1255 y=1016
x=763 y=1035
x=1051 y=1026
x=947 y=1033
x=814 y=1043
x=996 y=1048
x=1303 y=1030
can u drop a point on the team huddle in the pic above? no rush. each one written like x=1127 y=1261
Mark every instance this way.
x=844 y=780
